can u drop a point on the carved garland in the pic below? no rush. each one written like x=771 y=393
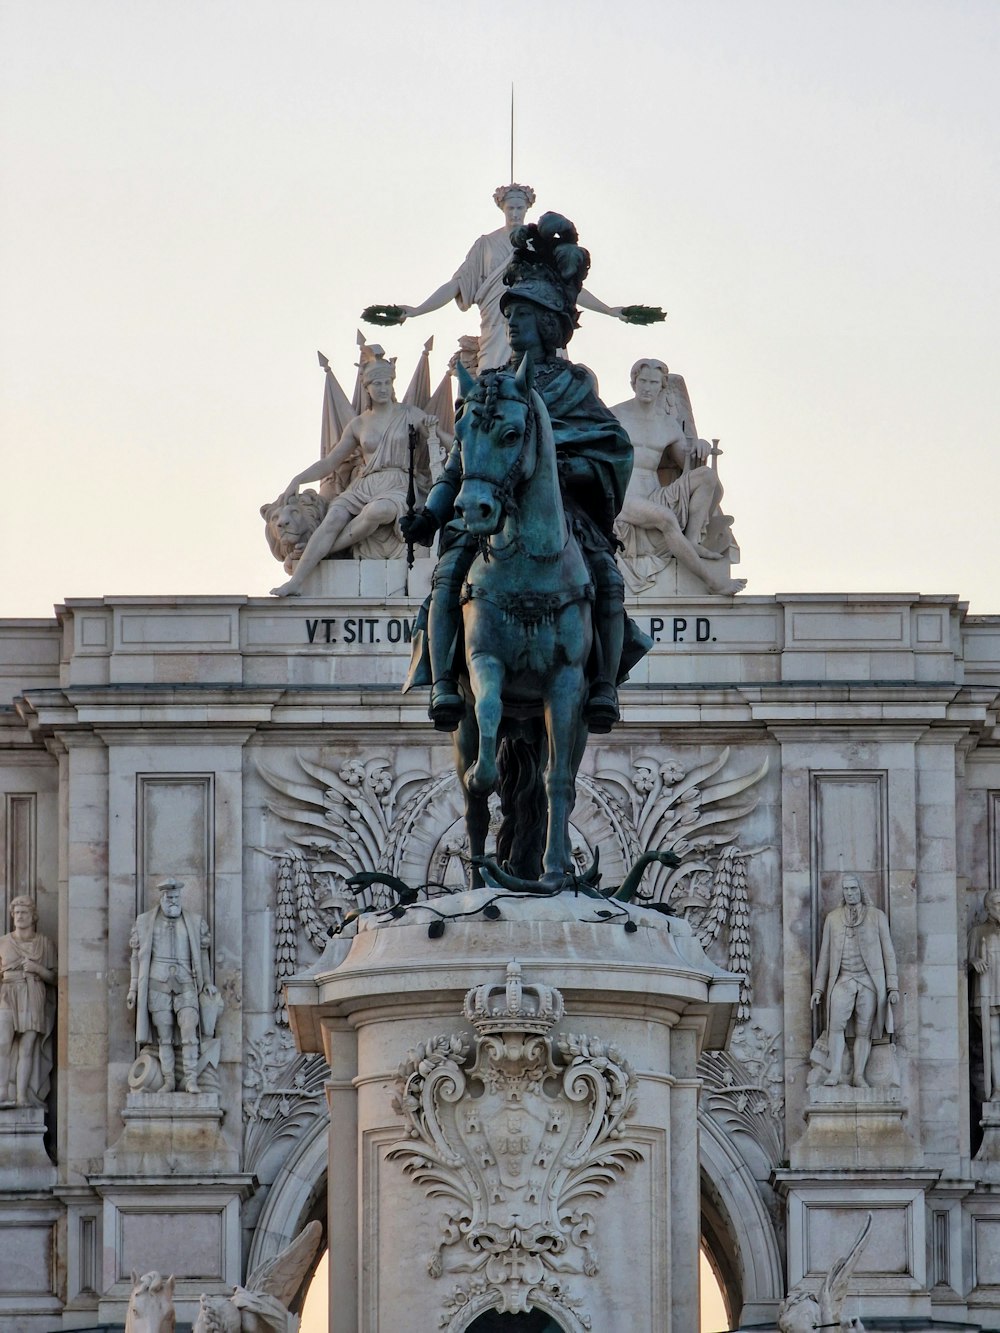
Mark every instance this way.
x=518 y=1132
x=363 y=816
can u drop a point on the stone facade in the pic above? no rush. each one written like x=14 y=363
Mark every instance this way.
x=260 y=752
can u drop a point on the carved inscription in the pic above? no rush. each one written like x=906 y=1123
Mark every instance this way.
x=378 y=631
x=681 y=629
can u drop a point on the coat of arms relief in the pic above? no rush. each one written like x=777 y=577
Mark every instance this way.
x=517 y=1133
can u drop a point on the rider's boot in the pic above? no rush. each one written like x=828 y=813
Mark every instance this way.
x=447 y=706
x=601 y=709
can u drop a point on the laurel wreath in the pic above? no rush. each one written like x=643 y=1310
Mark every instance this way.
x=383 y=314
x=643 y=314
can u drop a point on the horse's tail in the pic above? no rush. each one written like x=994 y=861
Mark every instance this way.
x=521 y=759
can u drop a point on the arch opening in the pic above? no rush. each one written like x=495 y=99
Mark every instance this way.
x=535 y=1321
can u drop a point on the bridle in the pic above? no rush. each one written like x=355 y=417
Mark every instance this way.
x=505 y=487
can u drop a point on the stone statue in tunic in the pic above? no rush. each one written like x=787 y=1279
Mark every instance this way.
x=478 y=281
x=657 y=521
x=984 y=960
x=170 y=984
x=376 y=495
x=27 y=1008
x=857 y=974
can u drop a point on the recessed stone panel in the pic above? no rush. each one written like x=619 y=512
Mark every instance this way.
x=179 y=632
x=26 y=1258
x=188 y=1243
x=987 y=1251
x=830 y=1230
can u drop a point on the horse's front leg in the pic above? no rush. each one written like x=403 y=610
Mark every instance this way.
x=563 y=711
x=486 y=676
x=477 y=808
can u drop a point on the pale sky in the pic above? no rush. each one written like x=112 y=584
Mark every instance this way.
x=198 y=196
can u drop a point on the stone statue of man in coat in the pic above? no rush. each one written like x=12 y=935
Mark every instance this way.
x=857 y=975
x=170 y=982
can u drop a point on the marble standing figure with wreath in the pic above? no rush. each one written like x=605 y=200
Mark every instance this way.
x=479 y=281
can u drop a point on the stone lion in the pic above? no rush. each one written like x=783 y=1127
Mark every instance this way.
x=289 y=522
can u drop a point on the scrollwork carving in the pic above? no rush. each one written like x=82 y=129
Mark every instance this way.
x=516 y=1132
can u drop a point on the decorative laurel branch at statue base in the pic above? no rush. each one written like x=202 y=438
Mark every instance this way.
x=385 y=315
x=643 y=314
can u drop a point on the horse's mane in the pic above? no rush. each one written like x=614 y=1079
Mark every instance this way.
x=148 y=1282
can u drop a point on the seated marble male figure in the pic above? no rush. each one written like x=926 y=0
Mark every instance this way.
x=656 y=521
x=595 y=460
x=376 y=497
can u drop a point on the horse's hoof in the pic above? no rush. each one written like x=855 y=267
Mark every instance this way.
x=447 y=707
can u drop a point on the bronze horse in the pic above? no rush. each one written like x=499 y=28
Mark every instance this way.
x=528 y=630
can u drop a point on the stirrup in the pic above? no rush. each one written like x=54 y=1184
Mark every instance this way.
x=447 y=707
x=601 y=709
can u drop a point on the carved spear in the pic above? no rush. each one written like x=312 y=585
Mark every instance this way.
x=411 y=494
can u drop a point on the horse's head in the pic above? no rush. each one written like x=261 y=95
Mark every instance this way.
x=151 y=1304
x=498 y=434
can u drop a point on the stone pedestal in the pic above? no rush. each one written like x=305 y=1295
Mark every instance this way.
x=30 y=1278
x=24 y=1163
x=673 y=580
x=860 y=1127
x=376 y=579
x=986 y=1165
x=170 y=1131
x=514 y=1112
x=827 y=1208
x=170 y=1200
x=184 y=1224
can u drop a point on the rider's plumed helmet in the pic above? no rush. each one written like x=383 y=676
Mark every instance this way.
x=547 y=269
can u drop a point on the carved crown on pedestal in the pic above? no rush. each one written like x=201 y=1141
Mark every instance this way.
x=514 y=1006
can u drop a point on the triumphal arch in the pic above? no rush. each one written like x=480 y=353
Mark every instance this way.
x=253 y=979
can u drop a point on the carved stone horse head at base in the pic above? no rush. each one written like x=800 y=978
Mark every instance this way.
x=151 y=1304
